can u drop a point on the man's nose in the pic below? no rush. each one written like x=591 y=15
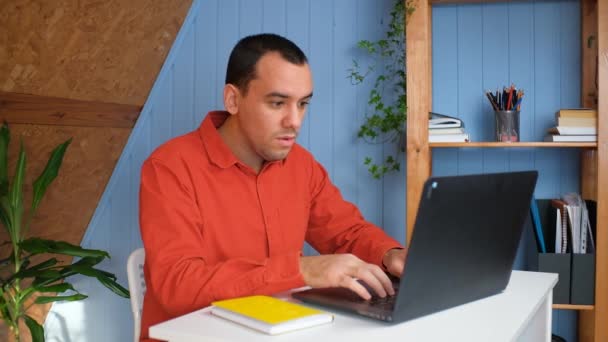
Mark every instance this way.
x=293 y=118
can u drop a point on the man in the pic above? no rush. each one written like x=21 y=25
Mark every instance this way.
x=225 y=210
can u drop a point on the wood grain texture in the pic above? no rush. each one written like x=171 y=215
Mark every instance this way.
x=589 y=174
x=44 y=110
x=586 y=325
x=418 y=66
x=588 y=53
x=513 y=145
x=573 y=307
x=439 y=2
x=107 y=51
x=601 y=275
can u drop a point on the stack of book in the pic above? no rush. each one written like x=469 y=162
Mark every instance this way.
x=444 y=128
x=574 y=125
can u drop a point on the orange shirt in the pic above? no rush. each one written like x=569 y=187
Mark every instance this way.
x=214 y=229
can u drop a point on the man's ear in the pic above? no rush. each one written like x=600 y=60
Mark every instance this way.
x=231 y=98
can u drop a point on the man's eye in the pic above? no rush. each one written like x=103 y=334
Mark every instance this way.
x=304 y=104
x=276 y=104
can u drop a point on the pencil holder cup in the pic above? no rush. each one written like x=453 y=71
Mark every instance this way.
x=507 y=125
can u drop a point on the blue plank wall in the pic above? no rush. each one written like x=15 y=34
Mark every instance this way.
x=536 y=46
x=190 y=84
x=542 y=43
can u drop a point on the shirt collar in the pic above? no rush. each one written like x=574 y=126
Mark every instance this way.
x=217 y=150
x=219 y=153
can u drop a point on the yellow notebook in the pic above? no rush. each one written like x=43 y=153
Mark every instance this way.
x=269 y=315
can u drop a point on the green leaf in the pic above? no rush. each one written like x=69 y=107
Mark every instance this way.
x=88 y=261
x=38 y=246
x=49 y=299
x=16 y=190
x=40 y=274
x=45 y=264
x=5 y=215
x=107 y=279
x=35 y=329
x=49 y=173
x=4 y=313
x=4 y=219
x=93 y=272
x=114 y=286
x=57 y=288
x=4 y=142
x=38 y=271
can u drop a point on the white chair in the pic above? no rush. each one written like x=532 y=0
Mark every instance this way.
x=137 y=287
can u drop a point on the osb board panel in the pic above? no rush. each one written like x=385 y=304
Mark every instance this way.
x=70 y=201
x=94 y=50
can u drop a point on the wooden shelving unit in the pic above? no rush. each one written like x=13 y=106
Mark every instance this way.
x=594 y=156
x=514 y=144
x=573 y=307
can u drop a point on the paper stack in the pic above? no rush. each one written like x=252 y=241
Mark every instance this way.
x=444 y=128
x=574 y=125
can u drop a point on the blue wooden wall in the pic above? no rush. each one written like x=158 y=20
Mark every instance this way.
x=536 y=46
x=190 y=84
x=541 y=57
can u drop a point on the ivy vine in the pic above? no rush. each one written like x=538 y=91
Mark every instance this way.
x=386 y=112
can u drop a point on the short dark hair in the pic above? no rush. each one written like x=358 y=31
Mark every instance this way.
x=248 y=51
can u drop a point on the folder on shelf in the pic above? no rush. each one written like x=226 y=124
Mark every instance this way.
x=538 y=229
x=562 y=244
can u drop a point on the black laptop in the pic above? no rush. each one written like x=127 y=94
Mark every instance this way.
x=466 y=235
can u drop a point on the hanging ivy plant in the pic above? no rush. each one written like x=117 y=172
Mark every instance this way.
x=386 y=112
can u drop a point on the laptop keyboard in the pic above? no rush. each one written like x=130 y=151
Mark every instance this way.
x=387 y=303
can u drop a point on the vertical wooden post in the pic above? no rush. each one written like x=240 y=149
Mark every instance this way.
x=418 y=67
x=586 y=318
x=588 y=53
x=589 y=158
x=601 y=257
x=589 y=174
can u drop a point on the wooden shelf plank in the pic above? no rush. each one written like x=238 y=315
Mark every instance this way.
x=18 y=108
x=573 y=307
x=441 y=2
x=514 y=144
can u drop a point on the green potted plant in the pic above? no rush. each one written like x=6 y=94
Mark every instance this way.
x=386 y=114
x=28 y=276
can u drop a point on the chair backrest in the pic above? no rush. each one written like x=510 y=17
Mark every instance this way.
x=137 y=287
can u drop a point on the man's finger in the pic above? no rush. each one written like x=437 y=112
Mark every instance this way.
x=356 y=287
x=369 y=278
x=384 y=280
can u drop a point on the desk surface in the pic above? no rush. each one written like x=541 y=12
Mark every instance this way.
x=496 y=318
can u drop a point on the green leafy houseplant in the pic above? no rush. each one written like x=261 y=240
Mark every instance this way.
x=21 y=275
x=386 y=115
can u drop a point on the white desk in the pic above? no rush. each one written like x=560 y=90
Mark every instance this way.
x=521 y=313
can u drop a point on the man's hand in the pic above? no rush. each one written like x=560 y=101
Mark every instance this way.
x=342 y=270
x=394 y=260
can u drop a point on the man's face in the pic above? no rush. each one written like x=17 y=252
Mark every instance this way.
x=270 y=114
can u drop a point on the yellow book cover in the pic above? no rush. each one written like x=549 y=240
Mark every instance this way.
x=268 y=314
x=576 y=113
